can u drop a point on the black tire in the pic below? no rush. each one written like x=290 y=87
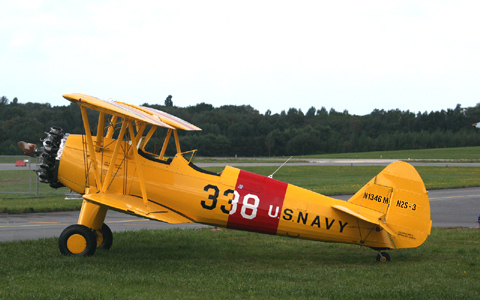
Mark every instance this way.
x=77 y=240
x=383 y=257
x=104 y=237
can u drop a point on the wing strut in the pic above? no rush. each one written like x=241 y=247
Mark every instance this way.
x=165 y=143
x=137 y=160
x=177 y=141
x=91 y=149
x=111 y=127
x=114 y=156
x=149 y=136
x=101 y=123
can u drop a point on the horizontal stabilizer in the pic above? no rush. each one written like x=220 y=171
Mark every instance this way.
x=365 y=218
x=135 y=205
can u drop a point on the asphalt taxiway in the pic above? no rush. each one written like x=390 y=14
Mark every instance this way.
x=449 y=208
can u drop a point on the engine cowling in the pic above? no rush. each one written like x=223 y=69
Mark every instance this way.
x=47 y=155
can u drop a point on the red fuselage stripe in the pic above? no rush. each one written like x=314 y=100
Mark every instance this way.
x=259 y=205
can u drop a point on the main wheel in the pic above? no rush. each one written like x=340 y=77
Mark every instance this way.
x=77 y=240
x=104 y=237
x=383 y=257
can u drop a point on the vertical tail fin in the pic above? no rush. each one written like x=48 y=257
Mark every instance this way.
x=396 y=199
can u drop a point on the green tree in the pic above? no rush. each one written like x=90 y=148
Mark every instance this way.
x=168 y=101
x=3 y=100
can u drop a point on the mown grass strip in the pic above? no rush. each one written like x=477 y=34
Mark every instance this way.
x=461 y=153
x=327 y=180
x=22 y=182
x=341 y=180
x=457 y=153
x=11 y=159
x=18 y=194
x=45 y=204
x=228 y=264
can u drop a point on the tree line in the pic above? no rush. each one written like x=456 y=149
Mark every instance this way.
x=241 y=130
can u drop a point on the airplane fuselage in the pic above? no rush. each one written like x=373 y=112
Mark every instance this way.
x=234 y=199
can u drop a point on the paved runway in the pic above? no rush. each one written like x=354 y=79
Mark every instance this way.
x=33 y=226
x=454 y=207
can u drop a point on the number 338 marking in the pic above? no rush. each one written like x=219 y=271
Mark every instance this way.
x=249 y=206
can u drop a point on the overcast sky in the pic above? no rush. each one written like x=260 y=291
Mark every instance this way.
x=346 y=55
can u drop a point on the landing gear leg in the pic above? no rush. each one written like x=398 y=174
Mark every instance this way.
x=383 y=257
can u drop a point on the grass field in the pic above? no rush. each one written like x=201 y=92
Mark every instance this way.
x=460 y=154
x=44 y=204
x=228 y=264
x=327 y=180
x=11 y=159
x=17 y=195
x=338 y=180
x=322 y=179
x=463 y=153
x=23 y=181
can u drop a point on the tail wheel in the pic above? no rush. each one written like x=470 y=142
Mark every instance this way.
x=77 y=240
x=383 y=257
x=104 y=237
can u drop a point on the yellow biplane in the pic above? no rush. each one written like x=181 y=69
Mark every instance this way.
x=115 y=169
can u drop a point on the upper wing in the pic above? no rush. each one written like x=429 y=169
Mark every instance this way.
x=128 y=111
x=171 y=120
